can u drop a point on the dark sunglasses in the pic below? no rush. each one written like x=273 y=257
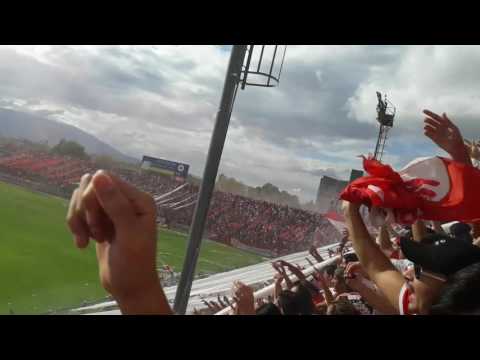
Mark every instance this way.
x=419 y=271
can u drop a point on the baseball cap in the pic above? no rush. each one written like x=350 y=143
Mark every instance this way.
x=461 y=231
x=440 y=254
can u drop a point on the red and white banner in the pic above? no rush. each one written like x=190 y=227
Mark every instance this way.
x=432 y=188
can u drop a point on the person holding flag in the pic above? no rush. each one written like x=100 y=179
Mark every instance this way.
x=435 y=188
x=446 y=271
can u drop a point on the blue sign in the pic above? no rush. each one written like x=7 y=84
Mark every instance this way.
x=179 y=169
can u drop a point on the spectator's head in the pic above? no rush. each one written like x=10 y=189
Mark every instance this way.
x=342 y=306
x=298 y=302
x=286 y=302
x=268 y=309
x=329 y=272
x=436 y=258
x=461 y=231
x=338 y=282
x=309 y=286
x=461 y=294
x=406 y=233
x=350 y=257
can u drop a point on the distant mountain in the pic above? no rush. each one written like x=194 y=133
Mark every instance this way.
x=23 y=125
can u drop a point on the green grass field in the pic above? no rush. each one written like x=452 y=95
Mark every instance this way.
x=41 y=269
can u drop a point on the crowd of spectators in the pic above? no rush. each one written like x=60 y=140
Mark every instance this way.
x=257 y=224
x=39 y=166
x=428 y=267
x=261 y=225
x=279 y=228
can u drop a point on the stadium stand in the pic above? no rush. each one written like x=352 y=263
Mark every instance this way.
x=262 y=227
x=410 y=265
x=406 y=265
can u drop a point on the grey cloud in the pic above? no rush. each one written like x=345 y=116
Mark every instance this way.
x=47 y=113
x=26 y=78
x=305 y=106
x=165 y=105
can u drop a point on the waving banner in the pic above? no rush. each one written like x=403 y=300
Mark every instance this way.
x=432 y=188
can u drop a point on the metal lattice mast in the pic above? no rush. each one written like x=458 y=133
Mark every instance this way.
x=385 y=116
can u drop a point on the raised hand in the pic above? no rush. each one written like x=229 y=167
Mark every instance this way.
x=207 y=304
x=259 y=302
x=353 y=269
x=443 y=132
x=216 y=307
x=243 y=295
x=226 y=300
x=122 y=220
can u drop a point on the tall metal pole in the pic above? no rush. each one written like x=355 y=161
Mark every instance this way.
x=209 y=175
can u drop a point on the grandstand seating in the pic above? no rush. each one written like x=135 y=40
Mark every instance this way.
x=232 y=219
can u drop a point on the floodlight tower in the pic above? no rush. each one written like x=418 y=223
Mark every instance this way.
x=246 y=67
x=385 y=115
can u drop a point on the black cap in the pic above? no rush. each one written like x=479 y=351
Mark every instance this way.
x=443 y=256
x=461 y=231
x=460 y=228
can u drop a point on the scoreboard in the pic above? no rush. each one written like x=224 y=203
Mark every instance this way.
x=171 y=167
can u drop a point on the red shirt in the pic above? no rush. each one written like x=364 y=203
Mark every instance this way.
x=395 y=255
x=404 y=300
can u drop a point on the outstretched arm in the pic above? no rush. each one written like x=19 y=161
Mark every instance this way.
x=278 y=287
x=384 y=241
x=122 y=221
x=282 y=272
x=329 y=299
x=356 y=280
x=376 y=264
x=294 y=270
x=373 y=298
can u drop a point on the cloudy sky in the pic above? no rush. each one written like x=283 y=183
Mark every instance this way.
x=162 y=100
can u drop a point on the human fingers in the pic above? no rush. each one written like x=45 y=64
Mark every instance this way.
x=99 y=224
x=435 y=116
x=450 y=122
x=432 y=133
x=82 y=186
x=113 y=201
x=143 y=202
x=76 y=224
x=435 y=125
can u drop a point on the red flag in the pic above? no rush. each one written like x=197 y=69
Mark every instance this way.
x=428 y=188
